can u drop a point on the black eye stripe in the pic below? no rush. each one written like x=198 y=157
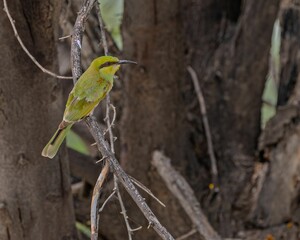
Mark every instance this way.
x=107 y=64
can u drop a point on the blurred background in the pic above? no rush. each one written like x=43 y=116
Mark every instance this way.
x=245 y=56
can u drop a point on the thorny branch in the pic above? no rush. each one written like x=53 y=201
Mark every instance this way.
x=109 y=130
x=96 y=197
x=12 y=22
x=125 y=180
x=77 y=35
x=96 y=131
x=214 y=169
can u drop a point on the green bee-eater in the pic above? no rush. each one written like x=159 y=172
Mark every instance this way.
x=89 y=90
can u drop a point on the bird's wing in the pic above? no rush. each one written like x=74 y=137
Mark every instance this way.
x=85 y=96
x=78 y=108
x=91 y=86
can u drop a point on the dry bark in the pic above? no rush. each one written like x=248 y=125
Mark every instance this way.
x=35 y=196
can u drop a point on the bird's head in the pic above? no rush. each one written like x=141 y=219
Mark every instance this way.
x=109 y=65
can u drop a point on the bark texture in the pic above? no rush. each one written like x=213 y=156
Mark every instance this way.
x=35 y=196
x=154 y=115
x=228 y=46
x=277 y=204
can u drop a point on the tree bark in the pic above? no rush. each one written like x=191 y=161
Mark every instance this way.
x=35 y=196
x=277 y=208
x=228 y=46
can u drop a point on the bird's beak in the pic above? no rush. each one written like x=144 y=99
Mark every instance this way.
x=126 y=62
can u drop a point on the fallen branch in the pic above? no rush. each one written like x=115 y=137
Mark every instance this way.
x=214 y=169
x=184 y=193
x=12 y=22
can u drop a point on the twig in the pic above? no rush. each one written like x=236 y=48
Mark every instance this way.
x=96 y=131
x=102 y=159
x=147 y=190
x=95 y=203
x=184 y=193
x=78 y=30
x=214 y=169
x=123 y=209
x=185 y=236
x=109 y=130
x=64 y=37
x=111 y=123
x=103 y=36
x=125 y=180
x=12 y=22
x=107 y=199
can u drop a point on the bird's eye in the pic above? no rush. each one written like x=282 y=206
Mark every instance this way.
x=107 y=64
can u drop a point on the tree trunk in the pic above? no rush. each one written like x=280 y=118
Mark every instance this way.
x=154 y=115
x=229 y=43
x=276 y=208
x=35 y=196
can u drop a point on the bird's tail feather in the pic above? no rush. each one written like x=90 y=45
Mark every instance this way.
x=53 y=145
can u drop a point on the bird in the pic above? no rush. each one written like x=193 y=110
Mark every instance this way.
x=92 y=86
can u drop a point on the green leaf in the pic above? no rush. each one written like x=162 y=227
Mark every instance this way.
x=270 y=94
x=112 y=14
x=83 y=229
x=75 y=142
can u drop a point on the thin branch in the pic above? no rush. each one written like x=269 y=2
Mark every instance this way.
x=185 y=195
x=103 y=158
x=96 y=131
x=147 y=190
x=214 y=169
x=107 y=200
x=185 y=236
x=64 y=37
x=12 y=22
x=109 y=129
x=95 y=203
x=111 y=123
x=78 y=30
x=102 y=31
x=123 y=209
x=125 y=180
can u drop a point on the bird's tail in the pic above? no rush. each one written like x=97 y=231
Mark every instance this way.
x=53 y=145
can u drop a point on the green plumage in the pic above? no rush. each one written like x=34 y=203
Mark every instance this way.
x=90 y=89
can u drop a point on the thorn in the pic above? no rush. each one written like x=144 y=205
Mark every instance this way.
x=64 y=37
x=149 y=225
x=103 y=158
x=136 y=229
